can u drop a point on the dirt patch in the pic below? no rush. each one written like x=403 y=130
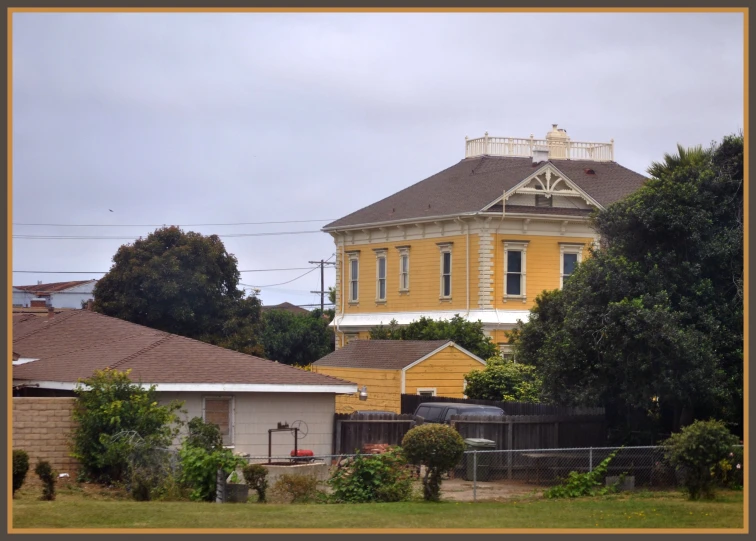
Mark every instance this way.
x=462 y=491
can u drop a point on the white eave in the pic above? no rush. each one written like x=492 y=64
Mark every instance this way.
x=218 y=387
x=487 y=317
x=23 y=360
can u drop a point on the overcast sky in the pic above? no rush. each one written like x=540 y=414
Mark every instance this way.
x=228 y=118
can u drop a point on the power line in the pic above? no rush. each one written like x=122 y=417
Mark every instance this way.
x=290 y=281
x=105 y=272
x=177 y=225
x=103 y=237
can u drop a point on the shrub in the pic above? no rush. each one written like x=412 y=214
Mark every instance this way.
x=199 y=469
x=20 y=468
x=437 y=447
x=153 y=473
x=256 y=477
x=204 y=435
x=583 y=484
x=294 y=488
x=696 y=451
x=109 y=406
x=46 y=474
x=373 y=478
x=729 y=471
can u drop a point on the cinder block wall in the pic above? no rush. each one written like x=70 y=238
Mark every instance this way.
x=41 y=427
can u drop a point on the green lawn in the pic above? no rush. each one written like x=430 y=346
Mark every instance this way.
x=639 y=510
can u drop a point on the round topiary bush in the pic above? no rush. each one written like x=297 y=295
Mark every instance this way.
x=20 y=468
x=696 y=451
x=256 y=477
x=437 y=447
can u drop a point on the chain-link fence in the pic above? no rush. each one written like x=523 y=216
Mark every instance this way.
x=633 y=467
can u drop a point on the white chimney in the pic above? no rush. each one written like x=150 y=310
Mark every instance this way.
x=540 y=154
x=558 y=142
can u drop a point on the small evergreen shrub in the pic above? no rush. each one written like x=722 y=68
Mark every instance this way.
x=437 y=447
x=204 y=435
x=294 y=488
x=584 y=484
x=20 y=468
x=47 y=475
x=256 y=476
x=696 y=451
x=199 y=469
x=373 y=478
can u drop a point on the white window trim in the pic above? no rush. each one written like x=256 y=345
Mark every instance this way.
x=404 y=252
x=426 y=390
x=568 y=249
x=354 y=256
x=381 y=254
x=231 y=415
x=516 y=246
x=445 y=248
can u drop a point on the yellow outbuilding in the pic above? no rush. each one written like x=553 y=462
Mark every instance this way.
x=390 y=368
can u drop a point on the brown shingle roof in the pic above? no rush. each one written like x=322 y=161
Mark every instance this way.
x=288 y=307
x=380 y=354
x=73 y=344
x=53 y=287
x=473 y=183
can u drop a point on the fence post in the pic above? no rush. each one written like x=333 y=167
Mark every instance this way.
x=220 y=486
x=475 y=476
x=510 y=445
x=590 y=459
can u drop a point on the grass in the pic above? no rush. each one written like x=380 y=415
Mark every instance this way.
x=99 y=508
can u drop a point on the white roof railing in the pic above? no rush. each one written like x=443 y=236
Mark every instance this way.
x=556 y=145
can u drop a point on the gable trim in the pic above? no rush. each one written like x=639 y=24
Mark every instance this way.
x=431 y=354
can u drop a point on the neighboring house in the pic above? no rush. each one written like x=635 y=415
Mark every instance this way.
x=286 y=306
x=245 y=395
x=390 y=368
x=56 y=294
x=481 y=239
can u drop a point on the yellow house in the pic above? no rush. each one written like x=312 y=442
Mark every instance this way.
x=390 y=368
x=481 y=238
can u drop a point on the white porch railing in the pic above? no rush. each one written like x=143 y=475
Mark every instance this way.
x=523 y=147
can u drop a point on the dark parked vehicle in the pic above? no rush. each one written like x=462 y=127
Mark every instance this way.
x=372 y=413
x=441 y=412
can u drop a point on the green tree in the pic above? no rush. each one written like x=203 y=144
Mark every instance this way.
x=504 y=380
x=651 y=325
x=110 y=412
x=467 y=334
x=299 y=339
x=182 y=283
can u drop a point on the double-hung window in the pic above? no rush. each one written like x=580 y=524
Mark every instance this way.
x=354 y=277
x=446 y=270
x=569 y=258
x=380 y=275
x=403 y=268
x=514 y=269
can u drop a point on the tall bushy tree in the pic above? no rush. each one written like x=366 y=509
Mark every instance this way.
x=467 y=334
x=504 y=380
x=651 y=325
x=299 y=339
x=184 y=283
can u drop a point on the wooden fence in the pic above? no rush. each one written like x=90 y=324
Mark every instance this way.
x=410 y=402
x=352 y=431
x=534 y=431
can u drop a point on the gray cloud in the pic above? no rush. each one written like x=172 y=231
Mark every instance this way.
x=210 y=118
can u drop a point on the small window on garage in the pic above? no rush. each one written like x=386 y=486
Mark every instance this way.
x=426 y=392
x=219 y=410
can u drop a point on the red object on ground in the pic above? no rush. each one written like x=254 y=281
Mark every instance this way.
x=302 y=452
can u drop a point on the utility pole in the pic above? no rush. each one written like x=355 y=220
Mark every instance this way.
x=322 y=291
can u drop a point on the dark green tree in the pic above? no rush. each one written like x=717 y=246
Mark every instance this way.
x=467 y=334
x=183 y=283
x=651 y=326
x=504 y=380
x=296 y=339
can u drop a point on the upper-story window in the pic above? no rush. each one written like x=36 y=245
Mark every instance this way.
x=514 y=269
x=354 y=277
x=507 y=352
x=570 y=256
x=380 y=275
x=446 y=270
x=403 y=268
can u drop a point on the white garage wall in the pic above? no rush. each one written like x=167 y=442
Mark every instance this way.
x=255 y=413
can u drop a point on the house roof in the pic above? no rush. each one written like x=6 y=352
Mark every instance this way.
x=380 y=354
x=72 y=345
x=288 y=307
x=474 y=183
x=53 y=287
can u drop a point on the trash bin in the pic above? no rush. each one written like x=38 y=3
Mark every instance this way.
x=484 y=460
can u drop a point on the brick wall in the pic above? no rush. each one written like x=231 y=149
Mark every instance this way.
x=41 y=427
